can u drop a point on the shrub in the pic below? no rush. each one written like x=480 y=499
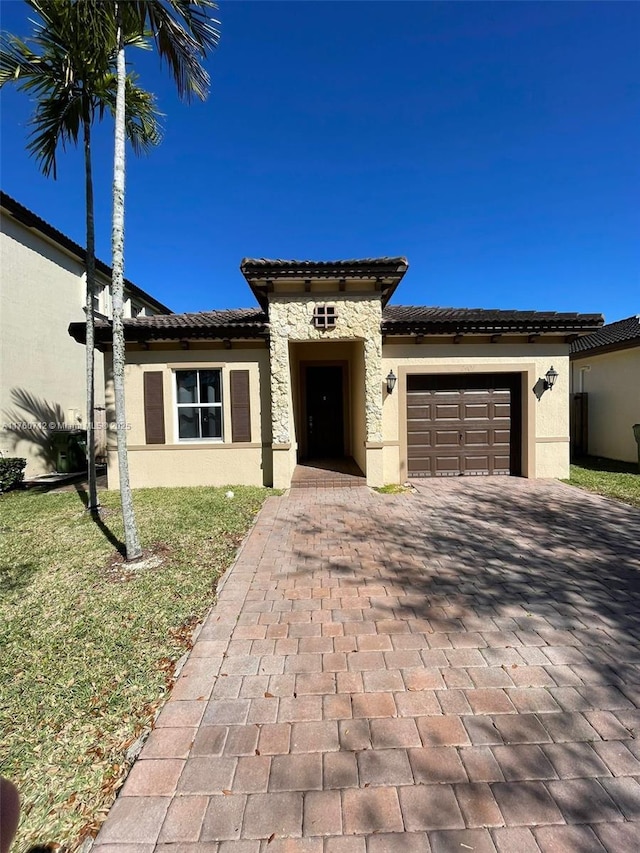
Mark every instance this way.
x=11 y=473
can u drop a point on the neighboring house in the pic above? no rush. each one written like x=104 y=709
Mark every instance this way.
x=605 y=386
x=42 y=371
x=241 y=396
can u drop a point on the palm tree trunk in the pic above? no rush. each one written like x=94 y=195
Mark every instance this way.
x=93 y=504
x=132 y=540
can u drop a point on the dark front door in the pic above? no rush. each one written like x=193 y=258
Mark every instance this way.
x=325 y=416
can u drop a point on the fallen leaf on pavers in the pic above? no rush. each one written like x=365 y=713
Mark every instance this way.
x=226 y=792
x=257 y=752
x=271 y=837
x=268 y=695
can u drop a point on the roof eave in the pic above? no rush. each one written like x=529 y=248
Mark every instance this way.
x=150 y=334
x=601 y=349
x=260 y=273
x=391 y=327
x=30 y=220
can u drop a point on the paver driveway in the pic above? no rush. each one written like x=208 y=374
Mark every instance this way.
x=452 y=669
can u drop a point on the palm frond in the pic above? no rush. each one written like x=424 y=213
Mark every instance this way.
x=184 y=33
x=67 y=65
x=55 y=122
x=142 y=119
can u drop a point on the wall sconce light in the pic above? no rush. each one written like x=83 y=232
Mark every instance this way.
x=550 y=378
x=391 y=382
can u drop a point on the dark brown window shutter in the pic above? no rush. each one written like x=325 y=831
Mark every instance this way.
x=240 y=409
x=153 y=407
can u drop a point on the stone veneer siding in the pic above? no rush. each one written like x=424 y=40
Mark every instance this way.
x=291 y=319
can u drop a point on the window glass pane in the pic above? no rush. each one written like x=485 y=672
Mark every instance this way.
x=209 y=386
x=211 y=422
x=187 y=387
x=188 y=422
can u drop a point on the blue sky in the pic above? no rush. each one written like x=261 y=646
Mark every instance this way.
x=495 y=145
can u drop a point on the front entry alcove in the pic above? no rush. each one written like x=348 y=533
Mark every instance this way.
x=328 y=384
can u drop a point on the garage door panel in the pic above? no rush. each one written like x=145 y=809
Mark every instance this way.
x=448 y=411
x=456 y=430
x=476 y=436
x=476 y=411
x=420 y=439
x=502 y=464
x=447 y=465
x=422 y=412
x=476 y=463
x=421 y=398
x=421 y=467
x=446 y=438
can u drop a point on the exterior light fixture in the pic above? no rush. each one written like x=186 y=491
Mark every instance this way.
x=550 y=378
x=391 y=382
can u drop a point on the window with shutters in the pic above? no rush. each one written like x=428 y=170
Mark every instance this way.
x=199 y=404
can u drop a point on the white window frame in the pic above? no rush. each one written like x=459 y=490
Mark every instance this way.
x=177 y=406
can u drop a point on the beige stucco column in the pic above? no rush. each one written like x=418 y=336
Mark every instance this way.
x=373 y=403
x=283 y=443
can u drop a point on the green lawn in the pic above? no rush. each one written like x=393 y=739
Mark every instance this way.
x=607 y=477
x=86 y=648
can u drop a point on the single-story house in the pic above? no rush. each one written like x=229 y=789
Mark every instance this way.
x=605 y=387
x=325 y=368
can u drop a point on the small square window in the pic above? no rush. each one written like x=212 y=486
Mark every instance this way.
x=324 y=316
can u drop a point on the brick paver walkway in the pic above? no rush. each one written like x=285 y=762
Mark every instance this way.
x=452 y=669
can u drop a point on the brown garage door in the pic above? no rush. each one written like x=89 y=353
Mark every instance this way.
x=462 y=425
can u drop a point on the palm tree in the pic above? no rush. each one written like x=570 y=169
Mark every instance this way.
x=183 y=32
x=70 y=71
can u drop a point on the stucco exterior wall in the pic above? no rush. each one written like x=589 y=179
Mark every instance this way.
x=612 y=382
x=545 y=422
x=206 y=462
x=42 y=369
x=42 y=290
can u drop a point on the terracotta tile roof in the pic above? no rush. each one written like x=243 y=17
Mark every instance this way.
x=254 y=317
x=245 y=323
x=406 y=319
x=262 y=266
x=621 y=334
x=31 y=220
x=260 y=272
x=233 y=323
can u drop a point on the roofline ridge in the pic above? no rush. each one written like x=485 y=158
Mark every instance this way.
x=23 y=214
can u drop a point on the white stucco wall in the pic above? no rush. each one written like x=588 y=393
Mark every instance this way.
x=612 y=383
x=42 y=290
